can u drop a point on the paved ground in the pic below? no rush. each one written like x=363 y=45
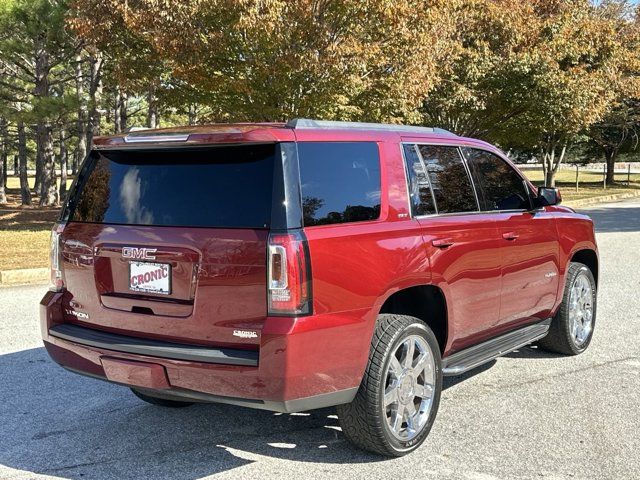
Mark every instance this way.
x=528 y=415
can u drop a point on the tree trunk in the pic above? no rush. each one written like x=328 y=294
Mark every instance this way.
x=45 y=166
x=95 y=94
x=193 y=114
x=610 y=155
x=117 y=127
x=81 y=123
x=3 y=195
x=48 y=187
x=4 y=155
x=63 y=165
x=3 y=161
x=16 y=170
x=124 y=116
x=37 y=185
x=25 y=193
x=152 y=108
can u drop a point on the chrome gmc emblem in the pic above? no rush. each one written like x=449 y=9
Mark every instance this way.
x=139 y=253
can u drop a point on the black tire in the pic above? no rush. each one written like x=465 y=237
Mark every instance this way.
x=363 y=421
x=161 y=402
x=559 y=339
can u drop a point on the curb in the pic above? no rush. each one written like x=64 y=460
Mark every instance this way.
x=34 y=276
x=602 y=199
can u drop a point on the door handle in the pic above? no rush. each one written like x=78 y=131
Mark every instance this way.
x=510 y=236
x=442 y=242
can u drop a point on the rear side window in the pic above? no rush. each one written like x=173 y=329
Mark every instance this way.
x=498 y=185
x=419 y=189
x=340 y=182
x=449 y=180
x=204 y=187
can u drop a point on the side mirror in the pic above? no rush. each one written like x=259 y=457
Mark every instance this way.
x=548 y=196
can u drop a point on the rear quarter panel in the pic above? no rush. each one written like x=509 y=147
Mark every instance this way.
x=356 y=266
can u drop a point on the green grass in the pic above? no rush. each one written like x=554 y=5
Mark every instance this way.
x=589 y=184
x=14 y=182
x=24 y=249
x=569 y=176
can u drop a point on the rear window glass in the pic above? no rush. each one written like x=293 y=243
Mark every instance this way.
x=449 y=180
x=208 y=187
x=340 y=182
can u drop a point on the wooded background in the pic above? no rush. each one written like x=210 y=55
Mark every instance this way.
x=550 y=79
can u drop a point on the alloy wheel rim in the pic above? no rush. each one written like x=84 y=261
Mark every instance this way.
x=581 y=309
x=409 y=388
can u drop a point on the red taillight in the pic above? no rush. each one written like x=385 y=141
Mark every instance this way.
x=289 y=275
x=57 y=273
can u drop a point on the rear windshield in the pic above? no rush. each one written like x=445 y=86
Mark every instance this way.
x=227 y=186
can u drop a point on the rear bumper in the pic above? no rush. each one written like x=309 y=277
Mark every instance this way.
x=302 y=364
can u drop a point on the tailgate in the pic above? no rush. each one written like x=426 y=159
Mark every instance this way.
x=216 y=279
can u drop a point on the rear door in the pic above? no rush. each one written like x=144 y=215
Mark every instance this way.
x=461 y=243
x=529 y=243
x=171 y=243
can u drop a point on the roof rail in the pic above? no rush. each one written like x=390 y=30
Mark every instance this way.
x=307 y=123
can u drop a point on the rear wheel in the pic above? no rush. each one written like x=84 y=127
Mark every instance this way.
x=398 y=398
x=162 y=402
x=572 y=328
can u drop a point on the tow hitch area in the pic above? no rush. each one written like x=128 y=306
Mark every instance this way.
x=138 y=374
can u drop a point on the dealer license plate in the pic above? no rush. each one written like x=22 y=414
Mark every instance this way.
x=150 y=277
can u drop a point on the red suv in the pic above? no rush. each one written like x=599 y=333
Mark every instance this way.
x=295 y=266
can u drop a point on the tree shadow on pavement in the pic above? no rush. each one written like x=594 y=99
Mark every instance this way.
x=57 y=423
x=620 y=218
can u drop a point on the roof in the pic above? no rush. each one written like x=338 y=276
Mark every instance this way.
x=299 y=128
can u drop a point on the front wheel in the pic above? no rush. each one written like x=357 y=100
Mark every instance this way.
x=398 y=398
x=572 y=328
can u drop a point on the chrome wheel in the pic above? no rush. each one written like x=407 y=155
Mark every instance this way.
x=581 y=309
x=409 y=388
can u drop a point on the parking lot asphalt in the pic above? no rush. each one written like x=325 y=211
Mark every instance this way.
x=528 y=415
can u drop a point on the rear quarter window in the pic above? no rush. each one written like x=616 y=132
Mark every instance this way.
x=340 y=182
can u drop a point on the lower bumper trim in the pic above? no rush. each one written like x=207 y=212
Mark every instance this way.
x=314 y=402
x=153 y=348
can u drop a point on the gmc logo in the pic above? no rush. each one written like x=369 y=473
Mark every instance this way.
x=139 y=253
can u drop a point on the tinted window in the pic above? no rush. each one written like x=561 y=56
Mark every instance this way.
x=340 y=182
x=419 y=190
x=213 y=187
x=450 y=182
x=498 y=185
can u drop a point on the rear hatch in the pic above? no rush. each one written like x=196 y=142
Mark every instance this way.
x=171 y=243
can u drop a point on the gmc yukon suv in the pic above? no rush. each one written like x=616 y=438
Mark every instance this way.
x=310 y=264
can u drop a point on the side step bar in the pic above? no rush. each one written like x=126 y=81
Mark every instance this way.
x=472 y=357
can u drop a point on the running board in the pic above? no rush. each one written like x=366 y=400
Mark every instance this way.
x=472 y=357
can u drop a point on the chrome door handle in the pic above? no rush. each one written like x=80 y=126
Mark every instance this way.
x=442 y=242
x=510 y=236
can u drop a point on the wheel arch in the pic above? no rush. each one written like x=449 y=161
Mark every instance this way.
x=588 y=257
x=426 y=302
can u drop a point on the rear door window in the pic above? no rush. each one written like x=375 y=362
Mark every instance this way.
x=227 y=186
x=340 y=182
x=498 y=185
x=419 y=189
x=449 y=179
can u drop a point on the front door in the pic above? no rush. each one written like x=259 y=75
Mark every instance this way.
x=529 y=240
